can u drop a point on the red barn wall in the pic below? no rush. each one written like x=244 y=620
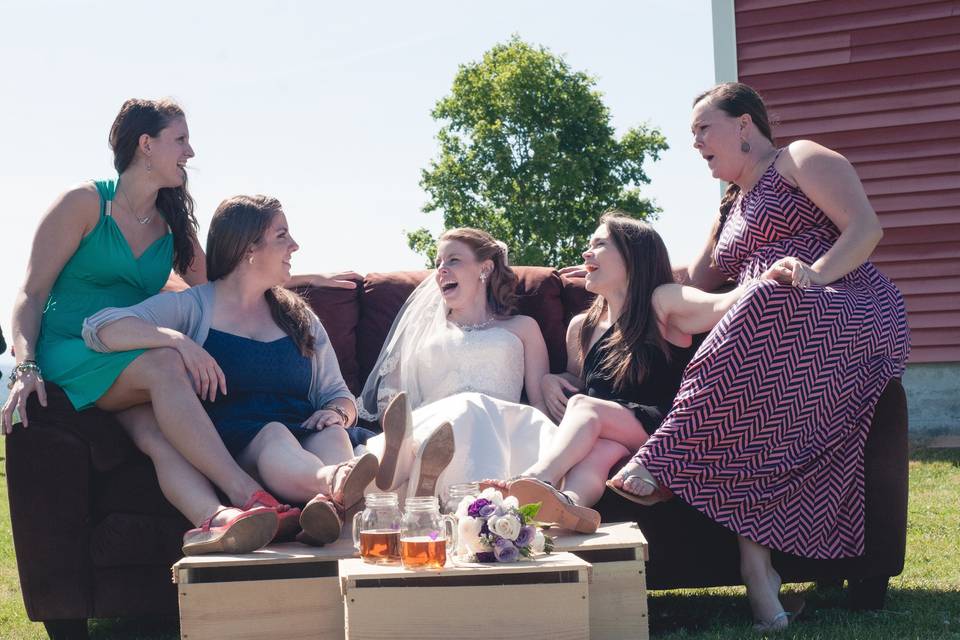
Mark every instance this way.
x=878 y=81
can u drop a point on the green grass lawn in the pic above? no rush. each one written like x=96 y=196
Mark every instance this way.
x=923 y=602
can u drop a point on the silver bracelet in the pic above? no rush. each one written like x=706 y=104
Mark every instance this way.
x=340 y=412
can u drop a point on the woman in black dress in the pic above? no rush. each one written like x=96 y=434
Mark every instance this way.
x=625 y=359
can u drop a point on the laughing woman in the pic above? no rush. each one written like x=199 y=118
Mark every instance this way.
x=288 y=407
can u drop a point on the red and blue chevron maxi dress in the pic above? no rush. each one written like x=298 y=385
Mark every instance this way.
x=767 y=432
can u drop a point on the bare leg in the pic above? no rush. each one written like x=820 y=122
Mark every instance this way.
x=585 y=421
x=332 y=445
x=158 y=377
x=185 y=487
x=763 y=582
x=584 y=483
x=294 y=473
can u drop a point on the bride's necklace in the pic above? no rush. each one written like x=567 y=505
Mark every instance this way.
x=136 y=215
x=474 y=327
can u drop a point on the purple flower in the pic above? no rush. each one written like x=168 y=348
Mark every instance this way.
x=474 y=509
x=487 y=510
x=505 y=551
x=486 y=556
x=526 y=536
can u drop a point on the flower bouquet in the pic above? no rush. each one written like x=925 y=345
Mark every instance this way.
x=492 y=528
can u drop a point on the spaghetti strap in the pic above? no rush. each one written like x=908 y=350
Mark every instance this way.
x=107 y=189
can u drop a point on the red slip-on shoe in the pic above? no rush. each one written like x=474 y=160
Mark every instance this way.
x=288 y=517
x=249 y=530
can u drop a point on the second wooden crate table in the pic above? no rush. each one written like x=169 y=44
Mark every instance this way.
x=544 y=598
x=618 y=587
x=283 y=591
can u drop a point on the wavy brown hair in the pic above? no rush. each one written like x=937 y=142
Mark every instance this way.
x=735 y=99
x=138 y=117
x=627 y=360
x=502 y=281
x=238 y=225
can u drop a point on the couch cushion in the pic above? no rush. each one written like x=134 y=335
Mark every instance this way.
x=339 y=311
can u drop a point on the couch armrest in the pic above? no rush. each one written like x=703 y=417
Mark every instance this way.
x=49 y=468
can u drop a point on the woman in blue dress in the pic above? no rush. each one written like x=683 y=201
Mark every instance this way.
x=281 y=405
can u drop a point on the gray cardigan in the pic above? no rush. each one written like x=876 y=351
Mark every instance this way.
x=190 y=312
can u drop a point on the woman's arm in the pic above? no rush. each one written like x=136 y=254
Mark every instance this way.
x=831 y=183
x=339 y=280
x=701 y=272
x=555 y=387
x=536 y=362
x=686 y=311
x=72 y=216
x=328 y=388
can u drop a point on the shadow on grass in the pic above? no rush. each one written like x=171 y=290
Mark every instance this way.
x=135 y=628
x=924 y=454
x=725 y=614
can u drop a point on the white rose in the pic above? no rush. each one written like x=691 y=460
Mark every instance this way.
x=539 y=542
x=493 y=496
x=507 y=526
x=468 y=536
x=510 y=502
x=464 y=506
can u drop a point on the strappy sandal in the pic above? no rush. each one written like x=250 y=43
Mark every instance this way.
x=555 y=506
x=288 y=517
x=347 y=490
x=435 y=455
x=321 y=521
x=396 y=425
x=659 y=494
x=249 y=530
x=779 y=622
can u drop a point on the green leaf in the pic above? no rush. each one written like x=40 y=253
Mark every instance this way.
x=530 y=511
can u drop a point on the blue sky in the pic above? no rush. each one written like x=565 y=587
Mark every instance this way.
x=323 y=105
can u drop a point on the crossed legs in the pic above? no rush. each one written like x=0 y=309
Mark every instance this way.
x=593 y=436
x=158 y=377
x=295 y=472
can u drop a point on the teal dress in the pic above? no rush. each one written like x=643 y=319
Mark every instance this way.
x=103 y=272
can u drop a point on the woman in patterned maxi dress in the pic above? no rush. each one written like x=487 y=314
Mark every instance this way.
x=767 y=432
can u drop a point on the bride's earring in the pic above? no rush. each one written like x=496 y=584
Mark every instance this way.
x=483 y=276
x=250 y=259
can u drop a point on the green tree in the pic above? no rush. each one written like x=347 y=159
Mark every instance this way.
x=528 y=153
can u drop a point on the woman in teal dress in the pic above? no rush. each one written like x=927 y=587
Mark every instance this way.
x=112 y=243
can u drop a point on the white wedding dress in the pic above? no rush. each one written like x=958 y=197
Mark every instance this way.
x=474 y=379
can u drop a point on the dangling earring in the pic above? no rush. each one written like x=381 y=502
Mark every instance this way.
x=149 y=166
x=483 y=276
x=744 y=146
x=250 y=259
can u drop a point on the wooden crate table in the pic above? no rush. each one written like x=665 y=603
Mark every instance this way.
x=281 y=591
x=618 y=586
x=544 y=598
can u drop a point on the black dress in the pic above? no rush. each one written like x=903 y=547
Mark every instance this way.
x=651 y=399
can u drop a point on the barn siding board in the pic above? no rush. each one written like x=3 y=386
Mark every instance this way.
x=879 y=81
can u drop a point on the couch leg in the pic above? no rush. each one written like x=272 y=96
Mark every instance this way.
x=67 y=629
x=866 y=594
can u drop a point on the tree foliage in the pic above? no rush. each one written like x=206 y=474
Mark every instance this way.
x=528 y=153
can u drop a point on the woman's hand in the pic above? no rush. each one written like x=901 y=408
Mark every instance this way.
x=338 y=280
x=555 y=388
x=27 y=382
x=574 y=271
x=203 y=369
x=323 y=418
x=793 y=272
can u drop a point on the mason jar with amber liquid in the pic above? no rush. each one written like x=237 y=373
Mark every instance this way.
x=425 y=535
x=376 y=529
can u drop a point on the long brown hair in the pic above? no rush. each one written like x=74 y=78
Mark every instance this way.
x=138 y=117
x=238 y=224
x=627 y=360
x=735 y=99
x=502 y=281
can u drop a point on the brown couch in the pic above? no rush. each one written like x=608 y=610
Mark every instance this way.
x=95 y=538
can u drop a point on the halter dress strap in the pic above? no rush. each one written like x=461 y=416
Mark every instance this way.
x=107 y=190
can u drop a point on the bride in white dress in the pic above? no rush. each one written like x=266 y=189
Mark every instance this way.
x=461 y=358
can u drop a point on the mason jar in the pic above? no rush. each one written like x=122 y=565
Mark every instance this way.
x=376 y=529
x=425 y=534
